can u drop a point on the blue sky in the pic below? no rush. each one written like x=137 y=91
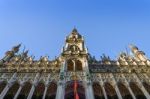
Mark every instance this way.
x=108 y=26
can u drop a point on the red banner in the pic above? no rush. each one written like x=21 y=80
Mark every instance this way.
x=76 y=96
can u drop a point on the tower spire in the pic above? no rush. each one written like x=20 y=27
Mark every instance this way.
x=74 y=31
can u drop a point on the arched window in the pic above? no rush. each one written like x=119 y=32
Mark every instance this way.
x=70 y=65
x=78 y=65
x=74 y=65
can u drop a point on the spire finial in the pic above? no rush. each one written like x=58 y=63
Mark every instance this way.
x=74 y=30
x=16 y=48
x=132 y=46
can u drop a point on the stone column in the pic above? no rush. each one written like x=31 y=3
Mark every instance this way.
x=3 y=93
x=102 y=86
x=31 y=92
x=86 y=67
x=60 y=90
x=131 y=92
x=128 y=87
x=10 y=83
x=104 y=92
x=46 y=87
x=74 y=65
x=45 y=91
x=18 y=92
x=21 y=86
x=33 y=86
x=117 y=91
x=61 y=83
x=88 y=83
x=89 y=90
x=140 y=85
x=116 y=87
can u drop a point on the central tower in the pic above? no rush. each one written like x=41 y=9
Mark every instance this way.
x=75 y=53
x=74 y=68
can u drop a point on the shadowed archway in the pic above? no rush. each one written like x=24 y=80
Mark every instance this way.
x=110 y=91
x=12 y=91
x=2 y=86
x=124 y=91
x=146 y=86
x=25 y=91
x=137 y=91
x=98 y=93
x=39 y=90
x=51 y=91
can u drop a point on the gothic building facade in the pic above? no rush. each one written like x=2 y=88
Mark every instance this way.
x=74 y=74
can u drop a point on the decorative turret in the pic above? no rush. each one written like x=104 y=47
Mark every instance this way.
x=25 y=54
x=10 y=54
x=137 y=53
x=74 y=53
x=74 y=31
x=15 y=49
x=74 y=44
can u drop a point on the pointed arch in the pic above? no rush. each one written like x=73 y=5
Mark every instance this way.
x=12 y=91
x=69 y=91
x=70 y=65
x=51 y=91
x=39 y=90
x=78 y=65
x=110 y=91
x=2 y=86
x=98 y=94
x=124 y=91
x=137 y=91
x=25 y=91
x=146 y=86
